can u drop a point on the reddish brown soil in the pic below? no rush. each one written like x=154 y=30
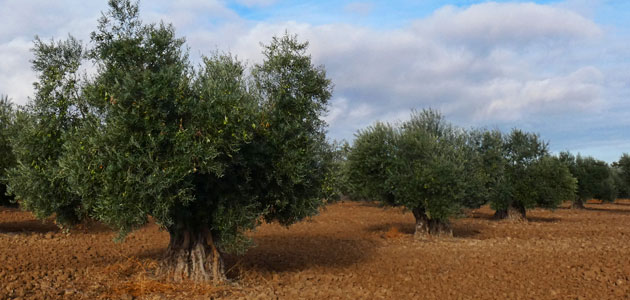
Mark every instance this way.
x=350 y=251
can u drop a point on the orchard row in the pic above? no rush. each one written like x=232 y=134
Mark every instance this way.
x=210 y=151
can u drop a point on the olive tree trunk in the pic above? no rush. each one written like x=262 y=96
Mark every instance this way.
x=426 y=227
x=514 y=213
x=192 y=255
x=578 y=204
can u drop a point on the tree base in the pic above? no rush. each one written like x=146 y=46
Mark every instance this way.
x=578 y=205
x=193 y=257
x=426 y=227
x=511 y=214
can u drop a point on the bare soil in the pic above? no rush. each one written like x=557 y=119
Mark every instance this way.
x=350 y=251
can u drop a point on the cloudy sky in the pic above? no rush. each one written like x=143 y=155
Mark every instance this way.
x=559 y=68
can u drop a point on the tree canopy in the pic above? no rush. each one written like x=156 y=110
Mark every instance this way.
x=424 y=165
x=530 y=177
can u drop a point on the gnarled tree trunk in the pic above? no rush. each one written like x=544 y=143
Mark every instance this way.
x=192 y=255
x=511 y=213
x=428 y=227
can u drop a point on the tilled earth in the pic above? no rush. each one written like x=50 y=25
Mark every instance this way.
x=350 y=251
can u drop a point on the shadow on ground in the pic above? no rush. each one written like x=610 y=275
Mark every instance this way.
x=28 y=226
x=608 y=210
x=285 y=253
x=459 y=230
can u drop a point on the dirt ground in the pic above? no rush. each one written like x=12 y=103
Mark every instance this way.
x=350 y=251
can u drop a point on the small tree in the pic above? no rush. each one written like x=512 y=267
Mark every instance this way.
x=7 y=158
x=531 y=177
x=594 y=178
x=421 y=166
x=207 y=153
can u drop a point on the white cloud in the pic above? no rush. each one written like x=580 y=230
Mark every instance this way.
x=255 y=3
x=16 y=77
x=360 y=8
x=494 y=24
x=511 y=99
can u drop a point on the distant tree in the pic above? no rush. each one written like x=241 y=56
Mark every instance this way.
x=371 y=161
x=486 y=166
x=421 y=166
x=336 y=183
x=37 y=180
x=621 y=187
x=531 y=177
x=622 y=167
x=7 y=158
x=208 y=153
x=594 y=178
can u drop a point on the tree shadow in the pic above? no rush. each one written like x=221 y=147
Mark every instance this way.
x=402 y=227
x=529 y=218
x=610 y=210
x=543 y=219
x=470 y=231
x=282 y=253
x=459 y=230
x=28 y=226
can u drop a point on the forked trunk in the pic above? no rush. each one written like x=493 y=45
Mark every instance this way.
x=192 y=255
x=578 y=204
x=426 y=227
x=511 y=213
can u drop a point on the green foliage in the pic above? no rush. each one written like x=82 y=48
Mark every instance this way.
x=7 y=158
x=293 y=95
x=424 y=165
x=371 y=161
x=623 y=175
x=485 y=166
x=37 y=181
x=530 y=177
x=197 y=149
x=621 y=187
x=336 y=183
x=595 y=179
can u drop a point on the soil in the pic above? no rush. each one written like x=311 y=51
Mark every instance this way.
x=350 y=251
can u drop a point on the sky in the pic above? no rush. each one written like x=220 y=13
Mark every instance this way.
x=557 y=68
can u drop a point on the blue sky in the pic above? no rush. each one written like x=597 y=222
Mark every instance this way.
x=559 y=68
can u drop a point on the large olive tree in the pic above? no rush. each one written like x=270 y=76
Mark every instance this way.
x=207 y=152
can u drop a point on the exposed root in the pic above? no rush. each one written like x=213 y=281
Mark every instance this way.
x=193 y=257
x=426 y=227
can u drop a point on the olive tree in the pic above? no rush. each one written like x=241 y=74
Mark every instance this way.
x=37 y=180
x=208 y=152
x=622 y=175
x=7 y=158
x=531 y=177
x=423 y=165
x=594 y=178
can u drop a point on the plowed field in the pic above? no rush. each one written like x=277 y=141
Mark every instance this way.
x=350 y=251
